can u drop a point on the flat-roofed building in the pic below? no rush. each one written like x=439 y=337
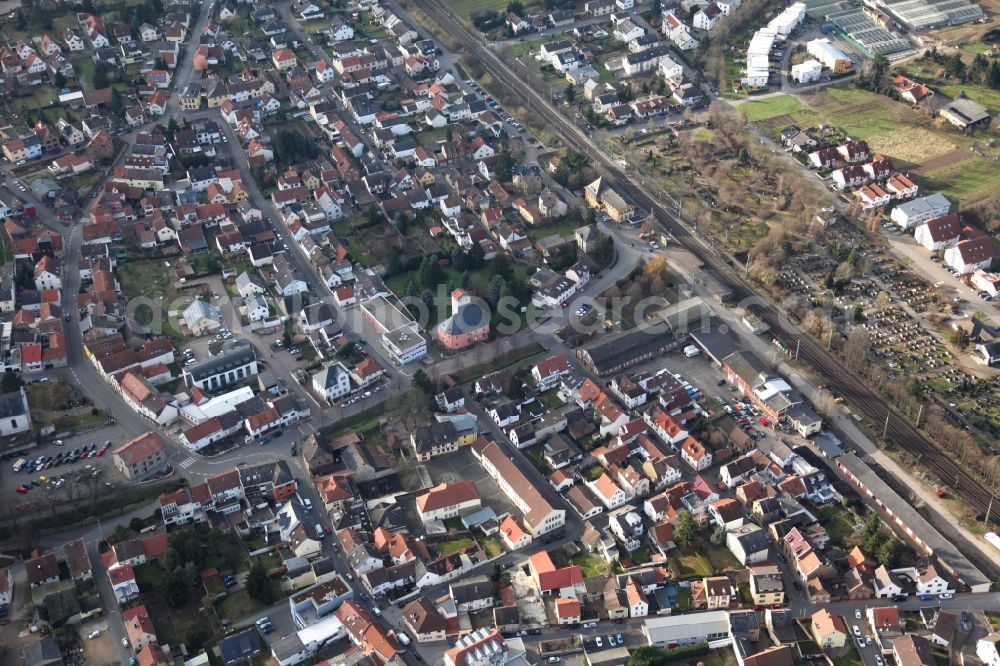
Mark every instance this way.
x=401 y=336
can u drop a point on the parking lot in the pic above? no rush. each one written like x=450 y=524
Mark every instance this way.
x=66 y=471
x=461 y=466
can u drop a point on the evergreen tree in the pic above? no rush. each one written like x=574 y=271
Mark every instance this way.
x=423 y=382
x=458 y=259
x=258 y=586
x=476 y=257
x=684 y=529
x=496 y=286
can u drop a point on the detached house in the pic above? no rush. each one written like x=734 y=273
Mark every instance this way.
x=939 y=233
x=970 y=255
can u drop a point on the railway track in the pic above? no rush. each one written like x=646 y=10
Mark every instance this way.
x=855 y=392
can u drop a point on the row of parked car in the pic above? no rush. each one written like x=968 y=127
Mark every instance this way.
x=65 y=457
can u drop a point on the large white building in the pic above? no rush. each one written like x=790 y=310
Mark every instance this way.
x=759 y=58
x=540 y=517
x=807 y=72
x=233 y=363
x=332 y=382
x=911 y=213
x=788 y=20
x=15 y=416
x=676 y=630
x=827 y=53
x=401 y=336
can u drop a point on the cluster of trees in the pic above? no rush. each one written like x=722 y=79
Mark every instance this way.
x=685 y=529
x=873 y=75
x=981 y=71
x=877 y=542
x=574 y=170
x=652 y=278
x=258 y=585
x=603 y=252
x=488 y=20
x=291 y=147
x=731 y=31
x=189 y=552
x=147 y=12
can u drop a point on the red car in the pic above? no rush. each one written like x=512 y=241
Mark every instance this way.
x=763 y=421
x=100 y=451
x=22 y=489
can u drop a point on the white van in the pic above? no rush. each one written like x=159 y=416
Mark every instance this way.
x=320 y=533
x=403 y=638
x=691 y=351
x=94 y=634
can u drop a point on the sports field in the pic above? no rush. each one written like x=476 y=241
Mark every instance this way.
x=938 y=155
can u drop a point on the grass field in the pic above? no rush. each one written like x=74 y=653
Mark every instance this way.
x=986 y=96
x=491 y=546
x=966 y=181
x=771 y=107
x=526 y=47
x=449 y=547
x=938 y=155
x=592 y=565
x=974 y=47
x=467 y=8
x=702 y=560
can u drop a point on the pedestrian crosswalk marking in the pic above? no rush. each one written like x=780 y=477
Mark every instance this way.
x=187 y=462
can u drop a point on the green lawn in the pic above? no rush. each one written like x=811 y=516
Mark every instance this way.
x=79 y=422
x=974 y=47
x=850 y=658
x=270 y=560
x=770 y=107
x=967 y=181
x=986 y=96
x=551 y=398
x=239 y=605
x=592 y=565
x=526 y=47
x=562 y=227
x=449 y=547
x=491 y=546
x=467 y=8
x=84 y=69
x=429 y=136
x=702 y=560
x=603 y=74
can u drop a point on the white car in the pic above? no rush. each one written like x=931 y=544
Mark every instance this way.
x=946 y=595
x=125 y=641
x=857 y=613
x=857 y=632
x=599 y=642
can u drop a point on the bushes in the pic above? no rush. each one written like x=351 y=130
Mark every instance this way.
x=649 y=655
